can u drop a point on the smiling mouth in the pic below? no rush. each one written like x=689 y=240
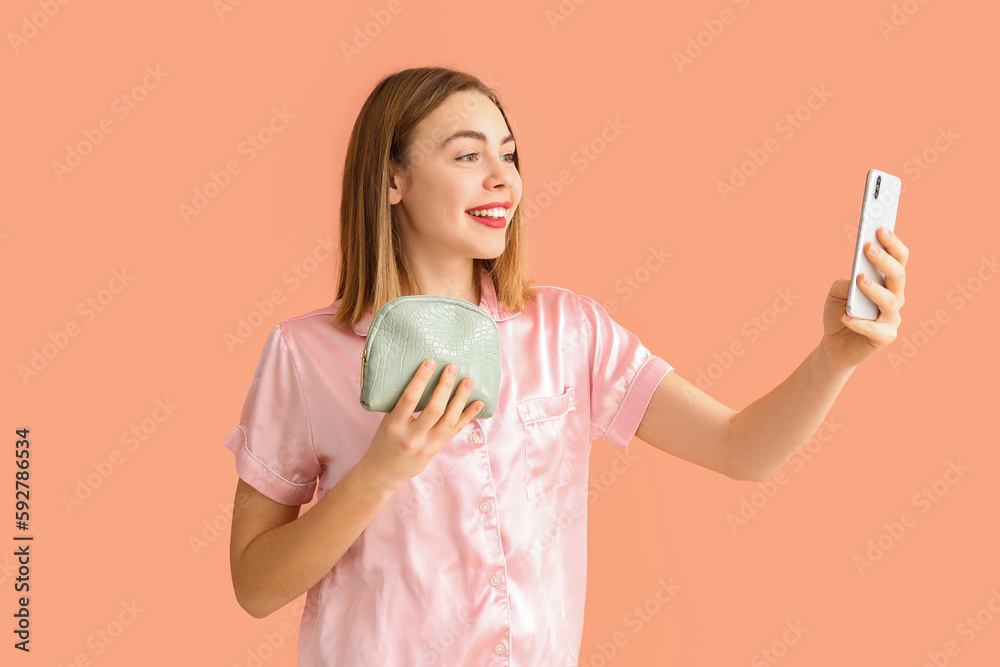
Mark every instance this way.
x=489 y=213
x=487 y=221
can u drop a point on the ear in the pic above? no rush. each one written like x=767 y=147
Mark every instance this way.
x=397 y=183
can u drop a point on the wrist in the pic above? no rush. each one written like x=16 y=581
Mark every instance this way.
x=367 y=475
x=827 y=365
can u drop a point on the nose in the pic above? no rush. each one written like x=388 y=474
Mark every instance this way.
x=500 y=173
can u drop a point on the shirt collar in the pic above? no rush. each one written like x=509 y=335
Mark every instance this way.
x=487 y=301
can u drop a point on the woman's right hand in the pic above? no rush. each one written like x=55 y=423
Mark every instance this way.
x=403 y=446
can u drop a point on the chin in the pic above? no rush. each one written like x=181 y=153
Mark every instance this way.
x=489 y=255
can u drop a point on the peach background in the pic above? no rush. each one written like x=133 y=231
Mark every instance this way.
x=790 y=227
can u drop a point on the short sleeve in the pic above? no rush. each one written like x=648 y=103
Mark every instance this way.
x=623 y=376
x=273 y=440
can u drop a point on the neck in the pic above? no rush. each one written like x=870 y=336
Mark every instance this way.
x=462 y=282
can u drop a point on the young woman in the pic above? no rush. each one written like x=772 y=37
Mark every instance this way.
x=441 y=539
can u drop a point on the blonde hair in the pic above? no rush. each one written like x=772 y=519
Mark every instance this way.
x=373 y=266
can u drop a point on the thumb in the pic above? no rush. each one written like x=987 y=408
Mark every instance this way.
x=840 y=288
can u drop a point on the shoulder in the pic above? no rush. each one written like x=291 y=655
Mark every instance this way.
x=553 y=297
x=312 y=326
x=554 y=301
x=312 y=317
x=564 y=318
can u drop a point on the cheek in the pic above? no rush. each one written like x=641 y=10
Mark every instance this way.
x=441 y=192
x=456 y=196
x=451 y=192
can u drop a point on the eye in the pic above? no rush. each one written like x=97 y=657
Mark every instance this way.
x=510 y=155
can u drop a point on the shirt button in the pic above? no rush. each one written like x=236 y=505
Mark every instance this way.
x=495 y=580
x=500 y=649
x=474 y=437
x=485 y=507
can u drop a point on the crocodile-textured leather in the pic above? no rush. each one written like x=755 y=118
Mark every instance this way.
x=409 y=329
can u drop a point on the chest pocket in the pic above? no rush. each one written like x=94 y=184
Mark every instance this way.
x=547 y=445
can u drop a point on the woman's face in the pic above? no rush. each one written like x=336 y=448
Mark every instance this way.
x=463 y=158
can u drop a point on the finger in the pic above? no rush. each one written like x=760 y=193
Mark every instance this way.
x=457 y=415
x=434 y=409
x=407 y=403
x=470 y=412
x=876 y=332
x=885 y=300
x=895 y=276
x=840 y=288
x=457 y=405
x=893 y=245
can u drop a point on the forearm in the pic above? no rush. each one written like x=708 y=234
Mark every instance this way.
x=284 y=562
x=770 y=430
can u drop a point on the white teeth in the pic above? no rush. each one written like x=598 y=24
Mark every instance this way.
x=495 y=213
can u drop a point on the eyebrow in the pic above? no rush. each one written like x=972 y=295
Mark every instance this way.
x=473 y=134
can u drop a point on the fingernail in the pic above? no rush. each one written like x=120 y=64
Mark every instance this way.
x=451 y=369
x=429 y=364
x=467 y=383
x=887 y=232
x=867 y=280
x=875 y=249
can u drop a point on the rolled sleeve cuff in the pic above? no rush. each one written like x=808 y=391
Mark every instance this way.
x=637 y=398
x=255 y=473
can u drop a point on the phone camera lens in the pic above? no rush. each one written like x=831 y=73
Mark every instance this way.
x=878 y=184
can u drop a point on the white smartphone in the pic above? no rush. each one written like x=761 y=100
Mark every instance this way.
x=878 y=209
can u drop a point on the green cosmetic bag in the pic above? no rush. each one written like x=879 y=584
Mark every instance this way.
x=409 y=329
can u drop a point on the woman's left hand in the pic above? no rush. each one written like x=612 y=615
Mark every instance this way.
x=849 y=341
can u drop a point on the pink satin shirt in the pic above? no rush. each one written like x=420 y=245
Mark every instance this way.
x=481 y=559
